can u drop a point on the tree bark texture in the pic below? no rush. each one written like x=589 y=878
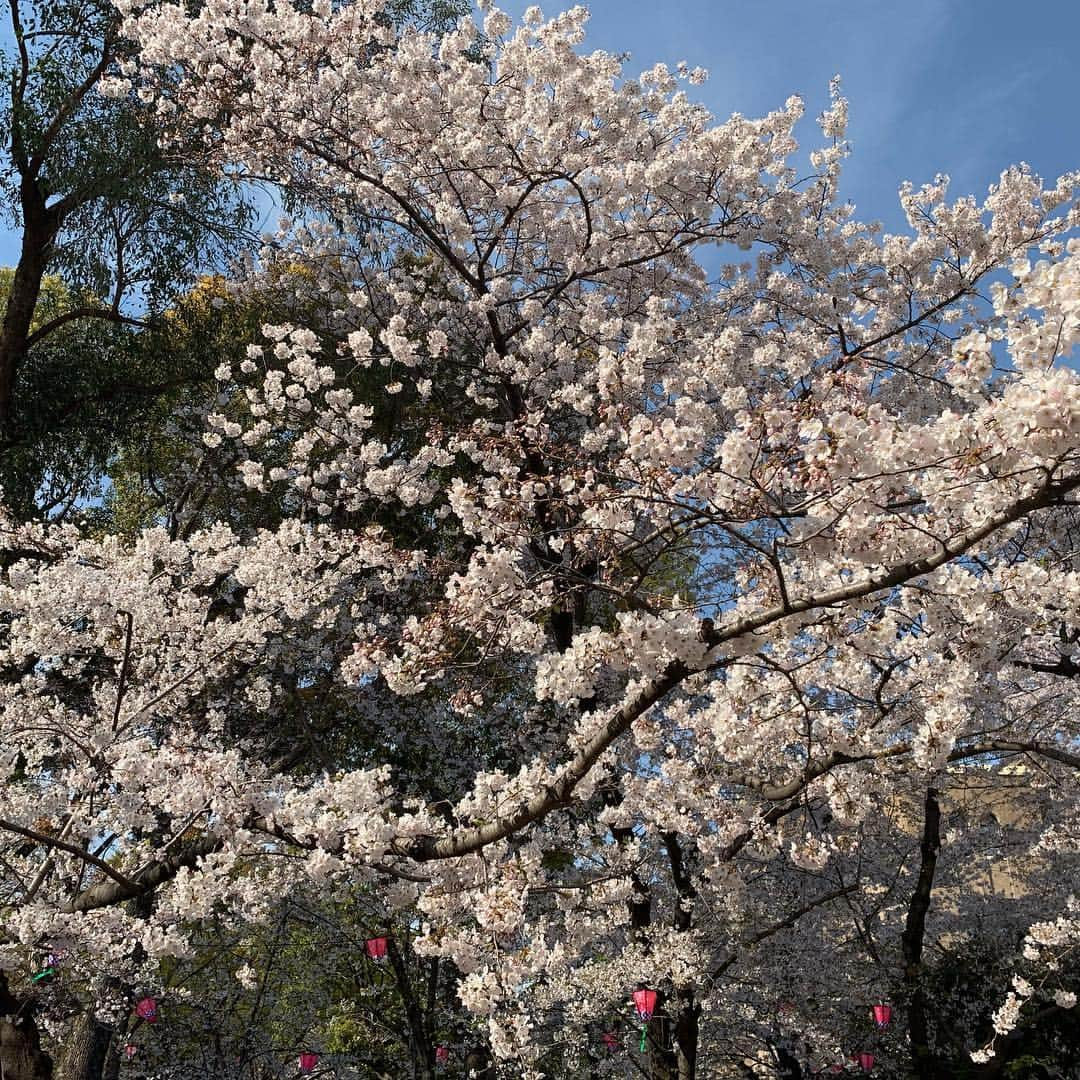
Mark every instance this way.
x=86 y=1049
x=21 y=1056
x=39 y=231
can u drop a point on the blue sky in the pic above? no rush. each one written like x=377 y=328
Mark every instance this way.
x=963 y=87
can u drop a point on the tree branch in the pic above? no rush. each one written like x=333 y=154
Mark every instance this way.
x=558 y=794
x=106 y=314
x=787 y=923
x=56 y=842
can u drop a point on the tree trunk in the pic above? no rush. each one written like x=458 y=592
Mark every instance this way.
x=661 y=1056
x=686 y=1035
x=39 y=231
x=420 y=1047
x=922 y=1058
x=86 y=1049
x=788 y=1065
x=21 y=1056
x=478 y=1064
x=662 y=1053
x=686 y=1010
x=112 y=1059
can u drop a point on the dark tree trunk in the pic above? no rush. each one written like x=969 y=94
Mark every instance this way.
x=685 y=1010
x=663 y=1064
x=420 y=1047
x=788 y=1065
x=112 y=1061
x=923 y=1063
x=686 y=1035
x=21 y=1056
x=673 y=1037
x=86 y=1049
x=39 y=231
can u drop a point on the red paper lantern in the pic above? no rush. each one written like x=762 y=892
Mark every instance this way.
x=442 y=1055
x=130 y=1050
x=146 y=1010
x=866 y=1060
x=882 y=1015
x=376 y=947
x=308 y=1061
x=645 y=1003
x=611 y=1040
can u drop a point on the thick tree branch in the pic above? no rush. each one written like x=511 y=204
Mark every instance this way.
x=559 y=793
x=68 y=108
x=47 y=841
x=107 y=893
x=555 y=795
x=105 y=314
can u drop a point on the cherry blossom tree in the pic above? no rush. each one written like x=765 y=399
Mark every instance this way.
x=683 y=592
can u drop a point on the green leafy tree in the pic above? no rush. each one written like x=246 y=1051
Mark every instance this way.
x=97 y=203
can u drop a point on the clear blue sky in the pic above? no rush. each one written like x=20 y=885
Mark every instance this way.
x=964 y=87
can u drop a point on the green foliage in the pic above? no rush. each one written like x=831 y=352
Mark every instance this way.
x=115 y=227
x=84 y=390
x=137 y=220
x=965 y=986
x=1027 y=1067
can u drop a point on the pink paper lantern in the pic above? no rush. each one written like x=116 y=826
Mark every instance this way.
x=376 y=948
x=130 y=1050
x=882 y=1015
x=611 y=1040
x=645 y=1003
x=866 y=1061
x=308 y=1061
x=442 y=1055
x=147 y=1010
